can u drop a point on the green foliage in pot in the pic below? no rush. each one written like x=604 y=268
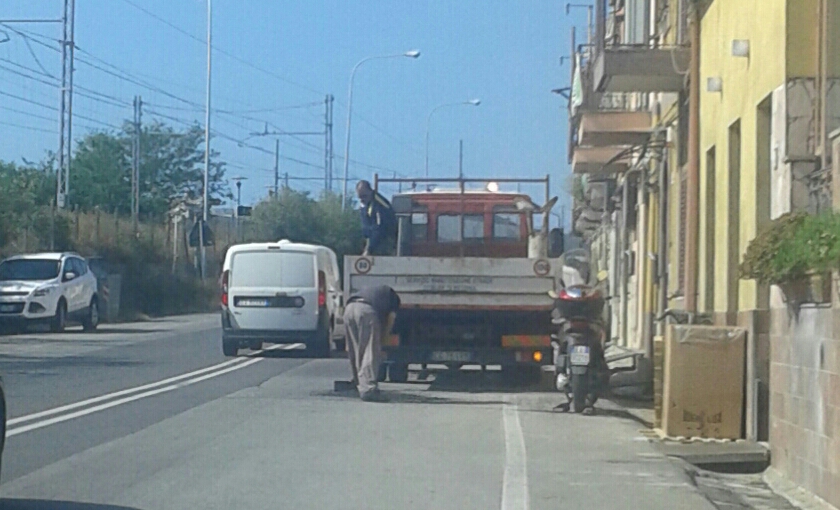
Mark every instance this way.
x=792 y=247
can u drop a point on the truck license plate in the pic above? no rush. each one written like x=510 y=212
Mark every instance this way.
x=579 y=355
x=451 y=356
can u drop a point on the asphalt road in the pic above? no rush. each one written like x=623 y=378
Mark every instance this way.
x=152 y=416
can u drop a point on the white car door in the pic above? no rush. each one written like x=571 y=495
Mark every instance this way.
x=74 y=287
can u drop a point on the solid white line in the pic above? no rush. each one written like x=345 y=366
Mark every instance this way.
x=108 y=405
x=128 y=391
x=515 y=480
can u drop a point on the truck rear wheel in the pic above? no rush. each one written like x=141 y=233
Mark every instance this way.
x=398 y=373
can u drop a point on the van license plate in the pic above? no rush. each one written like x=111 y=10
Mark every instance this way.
x=580 y=355
x=451 y=356
x=253 y=302
x=7 y=308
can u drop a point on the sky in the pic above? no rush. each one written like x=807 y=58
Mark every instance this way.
x=275 y=61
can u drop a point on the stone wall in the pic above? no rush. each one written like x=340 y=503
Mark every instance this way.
x=805 y=398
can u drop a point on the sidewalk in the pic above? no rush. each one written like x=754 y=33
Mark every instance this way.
x=758 y=489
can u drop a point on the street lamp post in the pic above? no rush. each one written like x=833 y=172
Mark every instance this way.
x=409 y=54
x=471 y=102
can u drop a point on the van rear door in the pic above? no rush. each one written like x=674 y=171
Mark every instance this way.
x=274 y=289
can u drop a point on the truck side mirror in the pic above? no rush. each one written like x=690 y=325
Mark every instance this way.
x=556 y=242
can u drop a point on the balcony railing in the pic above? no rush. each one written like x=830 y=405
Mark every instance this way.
x=819 y=191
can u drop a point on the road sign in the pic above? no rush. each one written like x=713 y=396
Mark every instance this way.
x=208 y=235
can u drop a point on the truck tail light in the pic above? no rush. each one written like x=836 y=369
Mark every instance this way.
x=322 y=289
x=225 y=277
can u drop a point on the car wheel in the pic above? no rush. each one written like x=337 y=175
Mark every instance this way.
x=229 y=348
x=59 y=322
x=398 y=372
x=91 y=320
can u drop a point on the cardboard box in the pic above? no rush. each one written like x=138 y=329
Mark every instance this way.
x=703 y=388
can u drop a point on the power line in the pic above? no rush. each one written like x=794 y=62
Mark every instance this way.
x=223 y=52
x=30 y=128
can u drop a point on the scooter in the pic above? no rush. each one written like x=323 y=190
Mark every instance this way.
x=581 y=370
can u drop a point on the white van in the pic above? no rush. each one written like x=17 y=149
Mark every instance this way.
x=281 y=292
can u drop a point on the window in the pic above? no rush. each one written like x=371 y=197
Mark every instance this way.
x=448 y=228
x=473 y=227
x=419 y=226
x=29 y=269
x=507 y=226
x=273 y=269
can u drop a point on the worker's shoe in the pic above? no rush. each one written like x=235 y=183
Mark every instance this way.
x=373 y=396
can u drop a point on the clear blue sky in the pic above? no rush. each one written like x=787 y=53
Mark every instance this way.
x=506 y=53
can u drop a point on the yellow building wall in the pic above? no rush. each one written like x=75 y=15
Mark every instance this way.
x=746 y=82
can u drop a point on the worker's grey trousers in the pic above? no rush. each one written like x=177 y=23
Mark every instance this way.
x=364 y=344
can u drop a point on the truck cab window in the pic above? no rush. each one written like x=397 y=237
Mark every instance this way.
x=473 y=227
x=507 y=226
x=419 y=226
x=448 y=228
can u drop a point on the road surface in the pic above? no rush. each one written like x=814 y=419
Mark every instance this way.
x=152 y=416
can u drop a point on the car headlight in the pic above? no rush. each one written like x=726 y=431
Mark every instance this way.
x=42 y=292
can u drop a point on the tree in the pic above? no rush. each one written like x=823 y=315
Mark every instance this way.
x=294 y=215
x=25 y=194
x=171 y=166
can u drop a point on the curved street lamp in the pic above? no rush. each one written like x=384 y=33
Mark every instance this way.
x=409 y=54
x=471 y=102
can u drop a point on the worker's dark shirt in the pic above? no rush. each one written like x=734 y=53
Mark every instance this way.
x=381 y=298
x=378 y=222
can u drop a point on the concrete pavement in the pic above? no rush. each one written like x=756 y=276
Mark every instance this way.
x=267 y=431
x=272 y=434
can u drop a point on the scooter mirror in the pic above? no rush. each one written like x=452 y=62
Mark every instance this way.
x=553 y=295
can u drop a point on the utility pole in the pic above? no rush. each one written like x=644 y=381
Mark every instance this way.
x=330 y=137
x=328 y=143
x=135 y=163
x=286 y=180
x=276 y=166
x=65 y=141
x=460 y=159
x=206 y=191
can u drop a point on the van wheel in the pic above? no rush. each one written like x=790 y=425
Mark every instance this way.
x=230 y=349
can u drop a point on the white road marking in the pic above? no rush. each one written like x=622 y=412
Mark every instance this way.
x=180 y=382
x=515 y=480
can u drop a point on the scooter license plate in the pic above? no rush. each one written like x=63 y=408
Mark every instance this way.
x=579 y=355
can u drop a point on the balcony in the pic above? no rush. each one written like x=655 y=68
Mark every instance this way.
x=640 y=69
x=598 y=161
x=614 y=128
x=630 y=55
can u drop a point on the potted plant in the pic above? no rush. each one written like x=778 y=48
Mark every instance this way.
x=797 y=252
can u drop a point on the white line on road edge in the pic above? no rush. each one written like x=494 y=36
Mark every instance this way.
x=515 y=481
x=215 y=370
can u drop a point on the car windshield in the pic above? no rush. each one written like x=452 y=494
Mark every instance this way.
x=29 y=269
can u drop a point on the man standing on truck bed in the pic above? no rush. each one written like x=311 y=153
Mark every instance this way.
x=368 y=316
x=379 y=222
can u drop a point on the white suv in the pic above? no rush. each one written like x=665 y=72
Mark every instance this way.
x=48 y=287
